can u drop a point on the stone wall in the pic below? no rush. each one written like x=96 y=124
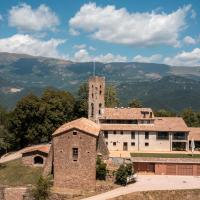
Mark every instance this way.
x=28 y=158
x=80 y=174
x=102 y=147
x=12 y=193
x=48 y=166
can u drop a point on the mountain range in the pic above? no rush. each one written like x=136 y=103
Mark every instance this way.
x=156 y=85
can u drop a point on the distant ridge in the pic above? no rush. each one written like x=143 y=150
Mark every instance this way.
x=157 y=85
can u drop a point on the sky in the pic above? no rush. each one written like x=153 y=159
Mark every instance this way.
x=159 y=31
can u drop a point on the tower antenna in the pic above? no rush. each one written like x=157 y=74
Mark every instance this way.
x=94 y=68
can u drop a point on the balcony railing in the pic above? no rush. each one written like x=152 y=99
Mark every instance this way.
x=179 y=136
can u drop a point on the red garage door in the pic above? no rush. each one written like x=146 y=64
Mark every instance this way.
x=171 y=169
x=198 y=170
x=185 y=170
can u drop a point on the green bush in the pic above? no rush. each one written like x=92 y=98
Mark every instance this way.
x=101 y=170
x=42 y=189
x=122 y=173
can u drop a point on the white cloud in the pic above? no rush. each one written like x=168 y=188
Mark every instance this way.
x=148 y=59
x=92 y=48
x=25 y=18
x=185 y=58
x=73 y=32
x=79 y=46
x=193 y=14
x=83 y=56
x=189 y=40
x=27 y=44
x=122 y=27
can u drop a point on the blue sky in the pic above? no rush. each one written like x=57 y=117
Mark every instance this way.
x=158 y=31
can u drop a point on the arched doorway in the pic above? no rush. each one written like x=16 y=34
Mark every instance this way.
x=38 y=160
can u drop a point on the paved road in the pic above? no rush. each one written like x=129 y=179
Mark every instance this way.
x=152 y=182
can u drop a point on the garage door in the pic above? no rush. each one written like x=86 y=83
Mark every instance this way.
x=198 y=170
x=171 y=169
x=185 y=170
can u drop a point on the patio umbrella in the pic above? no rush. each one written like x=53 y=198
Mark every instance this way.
x=192 y=145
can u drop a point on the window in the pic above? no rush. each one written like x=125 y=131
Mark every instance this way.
x=106 y=143
x=146 y=144
x=75 y=154
x=100 y=107
x=162 y=136
x=92 y=109
x=106 y=134
x=132 y=143
x=114 y=132
x=146 y=135
x=121 y=132
x=74 y=132
x=179 y=136
x=132 y=135
x=114 y=143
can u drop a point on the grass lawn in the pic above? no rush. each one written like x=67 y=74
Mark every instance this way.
x=14 y=173
x=164 y=155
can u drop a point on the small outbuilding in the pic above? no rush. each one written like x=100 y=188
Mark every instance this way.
x=35 y=155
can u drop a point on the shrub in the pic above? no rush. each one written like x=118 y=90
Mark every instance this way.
x=100 y=169
x=42 y=189
x=122 y=173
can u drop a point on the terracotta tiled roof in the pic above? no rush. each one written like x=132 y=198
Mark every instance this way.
x=83 y=124
x=43 y=148
x=160 y=124
x=194 y=133
x=126 y=113
x=170 y=124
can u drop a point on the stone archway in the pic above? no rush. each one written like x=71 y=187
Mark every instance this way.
x=38 y=160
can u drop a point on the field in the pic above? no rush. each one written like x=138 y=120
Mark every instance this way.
x=14 y=173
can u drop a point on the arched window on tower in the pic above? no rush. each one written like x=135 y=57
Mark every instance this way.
x=92 y=109
x=100 y=107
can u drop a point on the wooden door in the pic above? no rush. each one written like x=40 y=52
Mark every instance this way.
x=125 y=146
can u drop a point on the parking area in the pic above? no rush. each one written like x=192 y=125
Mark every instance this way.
x=152 y=182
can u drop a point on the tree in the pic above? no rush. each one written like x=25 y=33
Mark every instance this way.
x=26 y=120
x=42 y=189
x=191 y=118
x=81 y=105
x=100 y=169
x=34 y=119
x=111 y=99
x=135 y=103
x=164 y=113
x=57 y=107
x=122 y=173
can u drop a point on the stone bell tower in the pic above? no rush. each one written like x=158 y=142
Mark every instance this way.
x=96 y=101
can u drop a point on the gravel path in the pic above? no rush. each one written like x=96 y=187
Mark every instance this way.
x=152 y=182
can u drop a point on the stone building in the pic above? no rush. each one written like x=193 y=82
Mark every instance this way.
x=96 y=102
x=73 y=154
x=138 y=131
x=35 y=155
